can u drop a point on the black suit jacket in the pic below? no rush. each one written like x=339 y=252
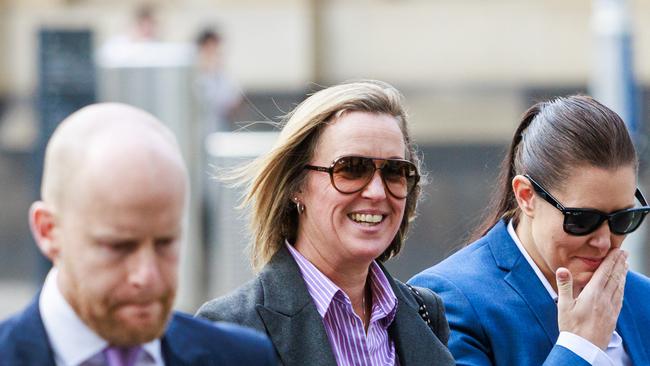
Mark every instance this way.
x=277 y=302
x=187 y=341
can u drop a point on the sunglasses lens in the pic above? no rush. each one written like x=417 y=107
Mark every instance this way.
x=352 y=173
x=581 y=222
x=400 y=177
x=626 y=222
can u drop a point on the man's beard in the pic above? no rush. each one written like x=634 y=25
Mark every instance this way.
x=109 y=324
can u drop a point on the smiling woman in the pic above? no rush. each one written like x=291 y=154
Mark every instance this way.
x=330 y=203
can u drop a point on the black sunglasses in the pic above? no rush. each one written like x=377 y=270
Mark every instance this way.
x=351 y=174
x=583 y=221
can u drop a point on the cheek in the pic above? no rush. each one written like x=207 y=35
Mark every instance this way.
x=399 y=206
x=566 y=248
x=617 y=241
x=169 y=269
x=322 y=198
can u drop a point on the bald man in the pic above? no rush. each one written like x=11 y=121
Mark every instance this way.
x=113 y=195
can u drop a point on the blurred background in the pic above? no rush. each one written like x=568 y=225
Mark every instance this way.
x=468 y=69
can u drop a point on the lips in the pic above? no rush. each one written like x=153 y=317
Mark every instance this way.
x=591 y=262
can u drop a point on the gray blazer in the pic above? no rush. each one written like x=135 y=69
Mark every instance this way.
x=277 y=302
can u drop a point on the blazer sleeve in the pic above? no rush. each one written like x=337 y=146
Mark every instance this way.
x=468 y=341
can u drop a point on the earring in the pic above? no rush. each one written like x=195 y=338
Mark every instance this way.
x=299 y=206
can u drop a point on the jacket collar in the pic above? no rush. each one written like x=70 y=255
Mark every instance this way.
x=297 y=330
x=291 y=319
x=522 y=278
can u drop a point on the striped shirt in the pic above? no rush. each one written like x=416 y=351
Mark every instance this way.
x=348 y=339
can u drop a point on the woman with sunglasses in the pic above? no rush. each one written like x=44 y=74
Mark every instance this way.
x=547 y=281
x=329 y=204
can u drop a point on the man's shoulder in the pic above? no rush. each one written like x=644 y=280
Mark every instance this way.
x=23 y=339
x=18 y=324
x=200 y=328
x=10 y=330
x=221 y=342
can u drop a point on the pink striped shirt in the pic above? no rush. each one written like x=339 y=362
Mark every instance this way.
x=348 y=339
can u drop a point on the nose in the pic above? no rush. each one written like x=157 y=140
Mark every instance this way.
x=144 y=271
x=375 y=188
x=602 y=237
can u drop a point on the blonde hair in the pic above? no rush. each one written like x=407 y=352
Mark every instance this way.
x=272 y=179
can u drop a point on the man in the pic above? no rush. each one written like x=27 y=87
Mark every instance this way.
x=113 y=194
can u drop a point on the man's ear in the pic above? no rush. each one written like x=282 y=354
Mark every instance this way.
x=524 y=194
x=42 y=224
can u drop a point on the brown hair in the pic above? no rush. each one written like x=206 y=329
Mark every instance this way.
x=553 y=138
x=272 y=179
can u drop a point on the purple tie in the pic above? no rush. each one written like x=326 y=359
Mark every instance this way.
x=121 y=356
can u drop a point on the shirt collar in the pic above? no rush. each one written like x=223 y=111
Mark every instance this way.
x=72 y=341
x=323 y=290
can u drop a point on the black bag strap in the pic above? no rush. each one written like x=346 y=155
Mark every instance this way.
x=422 y=307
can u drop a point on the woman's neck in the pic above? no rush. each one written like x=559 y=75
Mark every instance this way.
x=351 y=278
x=525 y=234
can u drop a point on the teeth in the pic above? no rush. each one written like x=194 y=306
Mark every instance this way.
x=372 y=219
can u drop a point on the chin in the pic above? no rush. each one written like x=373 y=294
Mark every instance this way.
x=136 y=329
x=129 y=325
x=581 y=279
x=368 y=248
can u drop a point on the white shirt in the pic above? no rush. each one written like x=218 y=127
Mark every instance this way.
x=73 y=343
x=615 y=353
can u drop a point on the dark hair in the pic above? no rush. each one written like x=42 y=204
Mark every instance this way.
x=553 y=138
x=207 y=35
x=145 y=12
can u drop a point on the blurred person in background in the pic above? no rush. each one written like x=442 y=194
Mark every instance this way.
x=132 y=45
x=547 y=281
x=145 y=27
x=330 y=203
x=218 y=94
x=114 y=191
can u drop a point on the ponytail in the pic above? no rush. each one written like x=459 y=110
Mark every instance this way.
x=503 y=197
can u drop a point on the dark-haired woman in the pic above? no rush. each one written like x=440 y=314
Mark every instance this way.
x=547 y=281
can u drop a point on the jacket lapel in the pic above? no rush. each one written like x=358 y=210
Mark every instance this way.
x=289 y=315
x=629 y=331
x=412 y=336
x=522 y=278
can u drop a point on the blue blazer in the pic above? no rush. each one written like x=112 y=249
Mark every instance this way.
x=501 y=314
x=187 y=341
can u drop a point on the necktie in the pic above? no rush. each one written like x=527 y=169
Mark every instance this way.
x=121 y=356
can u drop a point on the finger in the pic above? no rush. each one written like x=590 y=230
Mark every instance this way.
x=618 y=273
x=620 y=286
x=564 y=286
x=603 y=272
